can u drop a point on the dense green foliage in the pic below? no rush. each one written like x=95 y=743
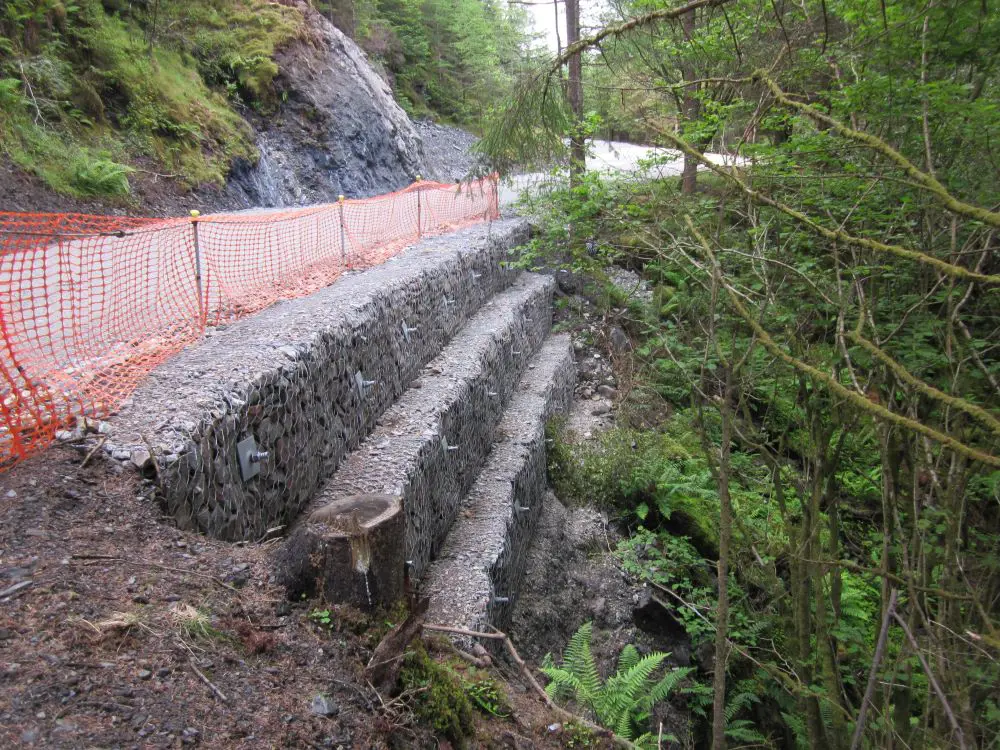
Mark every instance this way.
x=817 y=377
x=450 y=58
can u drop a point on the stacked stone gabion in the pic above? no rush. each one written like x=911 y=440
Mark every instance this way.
x=288 y=377
x=430 y=446
x=475 y=579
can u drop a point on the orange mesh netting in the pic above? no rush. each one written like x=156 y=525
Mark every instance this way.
x=91 y=304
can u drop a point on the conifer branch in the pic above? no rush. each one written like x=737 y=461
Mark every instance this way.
x=837 y=235
x=928 y=181
x=860 y=401
x=620 y=29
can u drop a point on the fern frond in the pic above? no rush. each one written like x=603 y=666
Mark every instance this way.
x=621 y=693
x=629 y=658
x=737 y=702
x=563 y=683
x=579 y=660
x=667 y=684
x=744 y=731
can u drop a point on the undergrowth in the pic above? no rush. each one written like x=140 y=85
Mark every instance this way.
x=89 y=88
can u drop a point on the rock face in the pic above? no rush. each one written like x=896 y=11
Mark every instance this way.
x=338 y=130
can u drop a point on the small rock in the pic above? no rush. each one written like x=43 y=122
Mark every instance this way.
x=283 y=609
x=620 y=342
x=140 y=458
x=587 y=392
x=602 y=408
x=163 y=672
x=417 y=384
x=11 y=493
x=29 y=736
x=144 y=674
x=323 y=706
x=607 y=391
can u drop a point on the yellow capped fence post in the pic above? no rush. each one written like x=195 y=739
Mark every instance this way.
x=420 y=229
x=343 y=233
x=202 y=311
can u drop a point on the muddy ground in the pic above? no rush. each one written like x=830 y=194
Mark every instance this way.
x=118 y=630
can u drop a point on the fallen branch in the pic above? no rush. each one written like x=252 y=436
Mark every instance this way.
x=218 y=693
x=93 y=451
x=565 y=715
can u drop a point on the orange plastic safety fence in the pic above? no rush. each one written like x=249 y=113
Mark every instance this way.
x=91 y=304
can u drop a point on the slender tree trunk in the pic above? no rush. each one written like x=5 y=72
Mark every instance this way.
x=690 y=109
x=578 y=154
x=722 y=610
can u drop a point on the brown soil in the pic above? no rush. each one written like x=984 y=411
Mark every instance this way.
x=152 y=195
x=99 y=648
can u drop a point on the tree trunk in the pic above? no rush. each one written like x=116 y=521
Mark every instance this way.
x=722 y=610
x=690 y=109
x=578 y=153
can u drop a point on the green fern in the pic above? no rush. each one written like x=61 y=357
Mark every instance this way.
x=623 y=702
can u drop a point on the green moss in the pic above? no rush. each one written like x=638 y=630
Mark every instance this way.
x=103 y=85
x=441 y=701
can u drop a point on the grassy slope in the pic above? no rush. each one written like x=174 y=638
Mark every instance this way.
x=88 y=89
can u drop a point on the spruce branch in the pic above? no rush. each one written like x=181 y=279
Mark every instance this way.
x=928 y=181
x=819 y=376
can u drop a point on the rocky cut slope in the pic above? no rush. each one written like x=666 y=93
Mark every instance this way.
x=337 y=131
x=211 y=104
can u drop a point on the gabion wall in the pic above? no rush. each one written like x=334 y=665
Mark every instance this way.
x=288 y=377
x=430 y=446
x=477 y=576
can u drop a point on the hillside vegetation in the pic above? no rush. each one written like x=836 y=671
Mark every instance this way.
x=808 y=455
x=91 y=90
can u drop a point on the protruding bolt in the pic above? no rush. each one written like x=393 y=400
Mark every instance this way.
x=515 y=352
x=521 y=508
x=257 y=456
x=476 y=275
x=362 y=384
x=501 y=599
x=448 y=302
x=492 y=394
x=453 y=447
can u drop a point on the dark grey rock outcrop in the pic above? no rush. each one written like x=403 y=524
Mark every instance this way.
x=338 y=130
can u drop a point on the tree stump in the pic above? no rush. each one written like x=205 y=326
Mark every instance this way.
x=350 y=551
